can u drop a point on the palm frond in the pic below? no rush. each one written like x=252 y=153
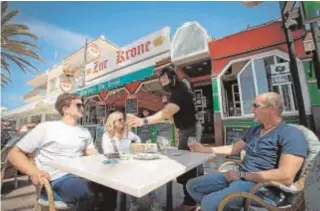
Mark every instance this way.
x=16 y=29
x=15 y=51
x=5 y=65
x=21 y=50
x=5 y=80
x=21 y=62
x=21 y=42
x=4 y=7
x=7 y=17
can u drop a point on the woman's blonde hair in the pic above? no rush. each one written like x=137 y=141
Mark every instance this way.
x=109 y=126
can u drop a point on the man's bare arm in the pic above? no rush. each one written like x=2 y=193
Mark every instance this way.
x=222 y=150
x=289 y=165
x=19 y=160
x=168 y=111
x=228 y=150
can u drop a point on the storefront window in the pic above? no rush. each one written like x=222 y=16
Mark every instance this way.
x=94 y=111
x=261 y=75
x=250 y=78
x=246 y=80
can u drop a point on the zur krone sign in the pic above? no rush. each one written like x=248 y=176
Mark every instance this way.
x=147 y=47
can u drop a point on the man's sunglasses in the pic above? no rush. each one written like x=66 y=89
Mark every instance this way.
x=256 y=105
x=80 y=105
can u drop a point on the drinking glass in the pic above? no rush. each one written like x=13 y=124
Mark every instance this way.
x=192 y=140
x=163 y=144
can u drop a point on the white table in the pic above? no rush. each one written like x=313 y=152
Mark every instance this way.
x=134 y=177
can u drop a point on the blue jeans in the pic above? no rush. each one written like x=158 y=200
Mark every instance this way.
x=72 y=189
x=209 y=190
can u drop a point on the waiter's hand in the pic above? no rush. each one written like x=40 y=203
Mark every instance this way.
x=133 y=121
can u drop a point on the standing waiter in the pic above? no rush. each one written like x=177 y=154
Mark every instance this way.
x=181 y=107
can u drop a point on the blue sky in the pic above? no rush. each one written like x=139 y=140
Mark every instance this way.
x=63 y=26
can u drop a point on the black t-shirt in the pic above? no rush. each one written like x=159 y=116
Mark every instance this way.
x=185 y=117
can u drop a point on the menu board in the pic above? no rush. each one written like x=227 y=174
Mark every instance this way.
x=233 y=133
x=145 y=133
x=131 y=106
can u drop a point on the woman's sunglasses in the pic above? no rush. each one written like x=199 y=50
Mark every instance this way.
x=119 y=120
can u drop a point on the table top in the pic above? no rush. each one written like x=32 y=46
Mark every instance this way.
x=132 y=176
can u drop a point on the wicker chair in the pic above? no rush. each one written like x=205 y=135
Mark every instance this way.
x=50 y=204
x=295 y=196
x=8 y=170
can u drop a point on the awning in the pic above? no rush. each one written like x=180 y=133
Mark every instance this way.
x=44 y=105
x=117 y=82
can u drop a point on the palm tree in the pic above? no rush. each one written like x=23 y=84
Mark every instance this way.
x=14 y=50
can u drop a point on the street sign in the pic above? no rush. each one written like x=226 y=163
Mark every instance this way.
x=281 y=79
x=280 y=69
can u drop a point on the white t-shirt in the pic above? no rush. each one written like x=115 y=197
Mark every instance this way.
x=123 y=145
x=55 y=140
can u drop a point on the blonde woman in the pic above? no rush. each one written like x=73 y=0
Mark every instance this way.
x=117 y=138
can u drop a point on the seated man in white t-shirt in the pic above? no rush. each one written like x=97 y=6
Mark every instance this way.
x=117 y=138
x=50 y=141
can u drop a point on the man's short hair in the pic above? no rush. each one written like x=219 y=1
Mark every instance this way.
x=64 y=100
x=275 y=100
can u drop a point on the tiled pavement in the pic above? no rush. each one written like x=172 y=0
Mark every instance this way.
x=23 y=198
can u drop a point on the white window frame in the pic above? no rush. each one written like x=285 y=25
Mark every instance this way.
x=240 y=88
x=278 y=53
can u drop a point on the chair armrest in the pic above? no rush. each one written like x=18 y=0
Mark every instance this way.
x=293 y=188
x=229 y=164
x=245 y=195
x=49 y=191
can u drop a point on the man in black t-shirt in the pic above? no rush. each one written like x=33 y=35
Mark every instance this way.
x=181 y=108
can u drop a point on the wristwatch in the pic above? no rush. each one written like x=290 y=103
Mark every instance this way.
x=145 y=121
x=242 y=175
